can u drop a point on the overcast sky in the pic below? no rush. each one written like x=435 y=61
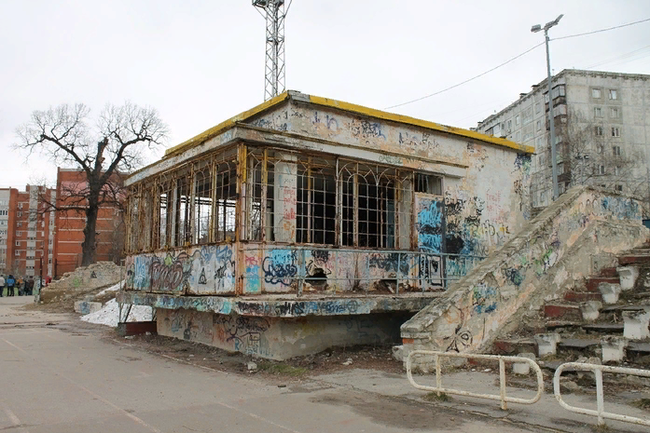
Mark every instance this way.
x=201 y=62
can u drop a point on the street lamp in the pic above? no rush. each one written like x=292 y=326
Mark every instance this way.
x=537 y=28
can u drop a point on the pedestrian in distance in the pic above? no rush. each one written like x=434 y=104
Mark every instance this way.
x=2 y=285
x=29 y=286
x=11 y=283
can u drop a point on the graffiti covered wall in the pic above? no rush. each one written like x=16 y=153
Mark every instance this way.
x=551 y=255
x=486 y=187
x=274 y=338
x=200 y=270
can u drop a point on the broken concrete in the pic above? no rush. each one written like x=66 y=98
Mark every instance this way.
x=83 y=279
x=547 y=344
x=636 y=324
x=87 y=307
x=590 y=310
x=613 y=349
x=523 y=368
x=628 y=276
x=610 y=292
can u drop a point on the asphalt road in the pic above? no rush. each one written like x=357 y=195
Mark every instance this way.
x=58 y=374
x=57 y=378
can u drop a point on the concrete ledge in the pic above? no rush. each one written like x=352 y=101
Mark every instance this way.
x=282 y=306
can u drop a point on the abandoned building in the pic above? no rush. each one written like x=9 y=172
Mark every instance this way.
x=307 y=222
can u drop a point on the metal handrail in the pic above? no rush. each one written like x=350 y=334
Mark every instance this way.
x=600 y=403
x=502 y=376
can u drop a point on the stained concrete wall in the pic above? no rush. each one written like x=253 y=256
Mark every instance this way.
x=276 y=338
x=485 y=186
x=551 y=253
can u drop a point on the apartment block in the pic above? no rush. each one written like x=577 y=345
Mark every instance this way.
x=602 y=122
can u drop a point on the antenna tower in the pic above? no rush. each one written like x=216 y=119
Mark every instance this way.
x=274 y=14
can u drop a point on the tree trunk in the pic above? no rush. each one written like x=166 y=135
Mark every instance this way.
x=89 y=246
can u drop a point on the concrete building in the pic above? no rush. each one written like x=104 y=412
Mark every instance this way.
x=306 y=222
x=602 y=131
x=70 y=223
x=26 y=231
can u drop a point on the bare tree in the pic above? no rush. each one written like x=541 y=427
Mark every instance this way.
x=103 y=152
x=594 y=156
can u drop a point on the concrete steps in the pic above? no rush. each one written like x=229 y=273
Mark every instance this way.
x=608 y=318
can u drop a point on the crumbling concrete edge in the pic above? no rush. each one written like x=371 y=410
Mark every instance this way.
x=276 y=308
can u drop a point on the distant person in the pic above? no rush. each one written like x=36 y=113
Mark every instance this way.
x=48 y=280
x=2 y=285
x=19 y=286
x=29 y=287
x=11 y=283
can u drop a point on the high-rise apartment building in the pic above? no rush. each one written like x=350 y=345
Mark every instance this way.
x=602 y=129
x=26 y=231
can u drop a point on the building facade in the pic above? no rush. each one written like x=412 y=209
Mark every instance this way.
x=26 y=231
x=307 y=222
x=70 y=223
x=602 y=122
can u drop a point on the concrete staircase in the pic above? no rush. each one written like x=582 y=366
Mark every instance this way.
x=605 y=318
x=544 y=269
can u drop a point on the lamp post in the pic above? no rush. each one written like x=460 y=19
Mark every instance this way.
x=537 y=28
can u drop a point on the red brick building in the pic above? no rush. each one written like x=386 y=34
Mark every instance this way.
x=70 y=224
x=26 y=231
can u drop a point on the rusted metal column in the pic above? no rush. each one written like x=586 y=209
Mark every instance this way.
x=242 y=160
x=263 y=195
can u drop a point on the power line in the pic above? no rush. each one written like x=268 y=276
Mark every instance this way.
x=468 y=80
x=511 y=60
x=601 y=30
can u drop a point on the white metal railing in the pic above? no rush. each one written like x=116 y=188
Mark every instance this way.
x=502 y=376
x=600 y=401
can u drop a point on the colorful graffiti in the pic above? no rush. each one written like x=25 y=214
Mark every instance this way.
x=430 y=224
x=280 y=267
x=208 y=269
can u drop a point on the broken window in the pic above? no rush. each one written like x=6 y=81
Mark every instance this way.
x=202 y=204
x=428 y=184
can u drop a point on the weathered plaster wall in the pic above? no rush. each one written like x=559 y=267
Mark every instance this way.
x=552 y=252
x=272 y=269
x=484 y=203
x=276 y=338
x=201 y=270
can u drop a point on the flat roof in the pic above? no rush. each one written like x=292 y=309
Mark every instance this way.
x=344 y=106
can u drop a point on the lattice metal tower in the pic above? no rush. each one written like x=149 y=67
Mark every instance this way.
x=274 y=13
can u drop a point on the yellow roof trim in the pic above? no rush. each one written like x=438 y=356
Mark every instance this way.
x=346 y=106
x=215 y=130
x=371 y=112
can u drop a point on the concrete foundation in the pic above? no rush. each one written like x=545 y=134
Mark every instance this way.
x=278 y=338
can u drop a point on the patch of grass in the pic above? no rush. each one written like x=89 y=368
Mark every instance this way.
x=434 y=396
x=282 y=369
x=642 y=403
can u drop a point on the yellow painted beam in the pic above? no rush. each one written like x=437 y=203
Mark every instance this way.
x=216 y=130
x=378 y=114
x=352 y=108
